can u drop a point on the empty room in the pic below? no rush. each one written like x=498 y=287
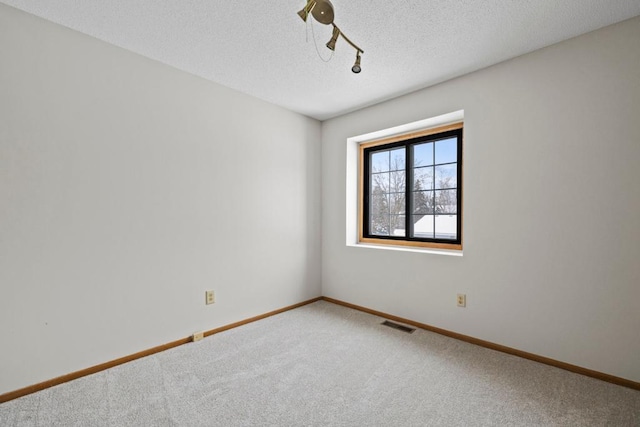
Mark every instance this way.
x=319 y=213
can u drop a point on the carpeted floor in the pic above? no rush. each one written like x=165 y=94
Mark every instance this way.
x=326 y=365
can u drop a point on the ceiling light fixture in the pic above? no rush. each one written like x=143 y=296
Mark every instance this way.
x=307 y=10
x=322 y=11
x=356 y=67
x=334 y=38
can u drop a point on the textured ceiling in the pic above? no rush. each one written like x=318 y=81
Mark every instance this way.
x=261 y=48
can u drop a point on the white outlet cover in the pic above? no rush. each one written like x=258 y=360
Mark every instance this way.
x=210 y=297
x=462 y=300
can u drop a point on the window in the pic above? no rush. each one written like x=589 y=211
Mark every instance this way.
x=411 y=189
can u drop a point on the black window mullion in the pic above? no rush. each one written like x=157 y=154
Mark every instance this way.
x=433 y=189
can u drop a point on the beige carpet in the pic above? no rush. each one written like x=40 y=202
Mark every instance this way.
x=326 y=365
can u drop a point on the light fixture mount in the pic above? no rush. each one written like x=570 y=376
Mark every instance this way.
x=322 y=11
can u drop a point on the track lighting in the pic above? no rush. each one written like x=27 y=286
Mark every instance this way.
x=304 y=13
x=332 y=43
x=356 y=67
x=322 y=11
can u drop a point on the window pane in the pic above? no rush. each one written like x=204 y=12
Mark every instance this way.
x=446 y=226
x=379 y=225
x=379 y=203
x=380 y=182
x=396 y=203
x=397 y=159
x=446 y=202
x=447 y=176
x=422 y=154
x=397 y=182
x=422 y=202
x=398 y=225
x=380 y=161
x=423 y=179
x=423 y=226
x=447 y=151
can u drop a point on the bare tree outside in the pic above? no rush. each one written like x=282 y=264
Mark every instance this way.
x=387 y=209
x=433 y=190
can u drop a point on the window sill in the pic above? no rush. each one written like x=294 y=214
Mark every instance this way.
x=408 y=249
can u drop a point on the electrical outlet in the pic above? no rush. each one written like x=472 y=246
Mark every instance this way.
x=210 y=297
x=462 y=300
x=197 y=336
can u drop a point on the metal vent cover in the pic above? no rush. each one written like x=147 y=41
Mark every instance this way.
x=398 y=326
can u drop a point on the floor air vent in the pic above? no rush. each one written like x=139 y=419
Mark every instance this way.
x=398 y=327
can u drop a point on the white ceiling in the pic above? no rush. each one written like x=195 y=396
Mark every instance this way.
x=260 y=47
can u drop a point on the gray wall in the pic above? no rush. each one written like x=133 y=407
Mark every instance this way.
x=128 y=188
x=551 y=208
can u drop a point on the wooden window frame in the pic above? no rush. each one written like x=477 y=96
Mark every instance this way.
x=460 y=188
